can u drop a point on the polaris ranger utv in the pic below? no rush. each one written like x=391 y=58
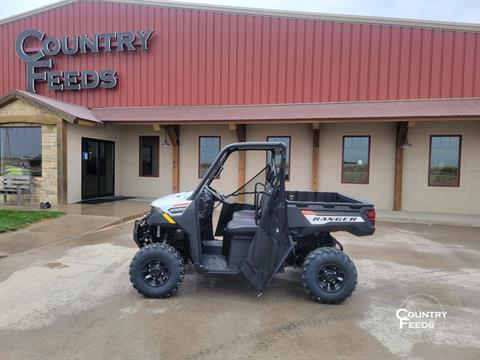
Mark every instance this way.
x=280 y=228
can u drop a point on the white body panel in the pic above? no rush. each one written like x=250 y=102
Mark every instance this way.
x=169 y=203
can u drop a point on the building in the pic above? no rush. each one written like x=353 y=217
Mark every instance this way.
x=135 y=98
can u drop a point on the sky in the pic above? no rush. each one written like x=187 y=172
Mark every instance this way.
x=467 y=11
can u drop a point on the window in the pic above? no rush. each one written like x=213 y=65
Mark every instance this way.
x=21 y=150
x=208 y=149
x=149 y=156
x=444 y=169
x=356 y=159
x=287 y=141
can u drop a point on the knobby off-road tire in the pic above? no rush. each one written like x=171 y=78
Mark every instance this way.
x=157 y=270
x=329 y=275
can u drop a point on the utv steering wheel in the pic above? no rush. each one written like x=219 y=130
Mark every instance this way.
x=215 y=194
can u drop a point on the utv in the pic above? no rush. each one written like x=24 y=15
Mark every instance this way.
x=278 y=228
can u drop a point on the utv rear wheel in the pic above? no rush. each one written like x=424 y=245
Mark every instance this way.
x=329 y=275
x=157 y=270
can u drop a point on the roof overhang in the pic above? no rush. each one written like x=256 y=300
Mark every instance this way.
x=69 y=112
x=356 y=111
x=365 y=111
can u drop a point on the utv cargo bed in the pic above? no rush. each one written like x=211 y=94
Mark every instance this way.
x=325 y=198
x=330 y=212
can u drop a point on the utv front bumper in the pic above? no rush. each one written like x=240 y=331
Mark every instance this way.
x=141 y=230
x=135 y=232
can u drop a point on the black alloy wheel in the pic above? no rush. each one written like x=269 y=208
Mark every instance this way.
x=157 y=270
x=155 y=273
x=331 y=278
x=329 y=275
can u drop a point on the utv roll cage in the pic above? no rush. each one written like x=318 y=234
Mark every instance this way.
x=277 y=148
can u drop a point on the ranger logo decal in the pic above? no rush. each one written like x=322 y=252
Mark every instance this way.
x=320 y=219
x=178 y=209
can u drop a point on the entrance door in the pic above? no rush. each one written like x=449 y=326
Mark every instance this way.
x=98 y=168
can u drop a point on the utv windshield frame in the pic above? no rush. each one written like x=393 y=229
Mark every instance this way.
x=217 y=165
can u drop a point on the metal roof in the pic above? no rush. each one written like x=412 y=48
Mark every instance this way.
x=67 y=111
x=206 y=57
x=366 y=110
x=269 y=12
x=391 y=110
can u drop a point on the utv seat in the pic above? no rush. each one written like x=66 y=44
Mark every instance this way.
x=244 y=215
x=238 y=235
x=248 y=215
x=242 y=226
x=244 y=222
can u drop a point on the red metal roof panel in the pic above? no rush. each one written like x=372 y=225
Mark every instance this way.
x=201 y=56
x=363 y=110
x=401 y=109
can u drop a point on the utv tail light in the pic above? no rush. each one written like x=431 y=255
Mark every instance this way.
x=371 y=216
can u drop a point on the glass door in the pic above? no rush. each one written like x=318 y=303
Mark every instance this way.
x=98 y=168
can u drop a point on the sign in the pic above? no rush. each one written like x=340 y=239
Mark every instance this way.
x=41 y=58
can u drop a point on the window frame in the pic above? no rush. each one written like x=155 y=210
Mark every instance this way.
x=459 y=160
x=39 y=126
x=343 y=181
x=156 y=148
x=289 y=153
x=199 y=149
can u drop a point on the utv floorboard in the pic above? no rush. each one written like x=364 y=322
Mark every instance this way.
x=218 y=264
x=212 y=247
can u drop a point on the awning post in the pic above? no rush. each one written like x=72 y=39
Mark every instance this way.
x=315 y=157
x=401 y=140
x=173 y=132
x=241 y=137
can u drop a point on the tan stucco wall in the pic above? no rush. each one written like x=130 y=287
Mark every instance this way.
x=127 y=143
x=133 y=184
x=20 y=113
x=301 y=152
x=127 y=179
x=189 y=157
x=417 y=195
x=379 y=190
x=300 y=164
x=74 y=156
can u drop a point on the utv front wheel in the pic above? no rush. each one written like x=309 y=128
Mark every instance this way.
x=329 y=275
x=157 y=270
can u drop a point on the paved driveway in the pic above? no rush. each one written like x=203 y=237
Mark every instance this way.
x=72 y=300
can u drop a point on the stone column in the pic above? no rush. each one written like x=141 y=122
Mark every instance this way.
x=46 y=187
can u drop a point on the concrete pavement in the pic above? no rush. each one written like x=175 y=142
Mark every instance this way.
x=72 y=299
x=79 y=219
x=418 y=217
x=116 y=209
